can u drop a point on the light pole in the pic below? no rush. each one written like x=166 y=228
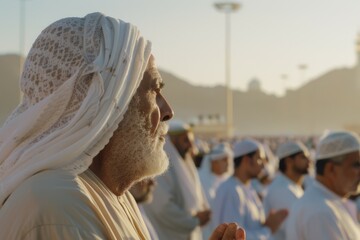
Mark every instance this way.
x=302 y=68
x=228 y=7
x=21 y=33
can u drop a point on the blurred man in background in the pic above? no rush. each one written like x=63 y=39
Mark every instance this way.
x=322 y=212
x=180 y=208
x=287 y=186
x=237 y=201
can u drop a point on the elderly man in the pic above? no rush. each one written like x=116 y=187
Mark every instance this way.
x=287 y=186
x=179 y=208
x=322 y=213
x=91 y=123
x=237 y=201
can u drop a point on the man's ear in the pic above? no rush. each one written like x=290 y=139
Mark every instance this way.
x=288 y=161
x=246 y=160
x=329 y=170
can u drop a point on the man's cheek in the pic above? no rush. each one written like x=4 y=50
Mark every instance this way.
x=154 y=120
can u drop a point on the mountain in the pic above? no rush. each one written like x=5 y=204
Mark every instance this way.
x=9 y=84
x=330 y=101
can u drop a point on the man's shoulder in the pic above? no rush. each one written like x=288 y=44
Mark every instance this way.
x=230 y=186
x=47 y=189
x=50 y=200
x=311 y=203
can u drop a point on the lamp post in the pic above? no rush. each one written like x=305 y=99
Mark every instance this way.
x=21 y=33
x=228 y=7
x=302 y=68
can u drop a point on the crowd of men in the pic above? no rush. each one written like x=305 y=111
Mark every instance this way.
x=89 y=154
x=290 y=208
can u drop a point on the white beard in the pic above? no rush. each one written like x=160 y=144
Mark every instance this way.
x=137 y=154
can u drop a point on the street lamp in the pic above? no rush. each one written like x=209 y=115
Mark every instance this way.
x=228 y=7
x=21 y=33
x=302 y=68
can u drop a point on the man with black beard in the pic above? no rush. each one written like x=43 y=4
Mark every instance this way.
x=91 y=123
x=286 y=188
x=236 y=199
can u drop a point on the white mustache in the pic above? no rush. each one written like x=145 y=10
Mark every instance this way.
x=162 y=129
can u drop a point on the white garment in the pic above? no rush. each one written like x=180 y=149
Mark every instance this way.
x=282 y=193
x=178 y=196
x=57 y=205
x=79 y=77
x=321 y=214
x=235 y=202
x=358 y=208
x=211 y=181
x=150 y=227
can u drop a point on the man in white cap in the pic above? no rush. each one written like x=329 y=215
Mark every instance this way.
x=286 y=188
x=237 y=201
x=179 y=208
x=322 y=213
x=91 y=123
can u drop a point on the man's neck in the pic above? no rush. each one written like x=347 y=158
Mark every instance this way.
x=327 y=183
x=242 y=177
x=116 y=188
x=295 y=177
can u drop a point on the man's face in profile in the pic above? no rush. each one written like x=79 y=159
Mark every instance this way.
x=136 y=147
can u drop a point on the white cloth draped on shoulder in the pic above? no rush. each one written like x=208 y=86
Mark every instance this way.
x=119 y=215
x=73 y=99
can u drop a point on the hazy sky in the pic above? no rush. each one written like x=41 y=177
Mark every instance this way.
x=270 y=38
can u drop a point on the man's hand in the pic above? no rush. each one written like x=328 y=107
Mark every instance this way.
x=229 y=231
x=203 y=216
x=275 y=218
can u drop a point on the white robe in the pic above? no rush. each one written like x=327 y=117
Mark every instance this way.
x=55 y=205
x=282 y=193
x=210 y=183
x=150 y=227
x=321 y=214
x=235 y=202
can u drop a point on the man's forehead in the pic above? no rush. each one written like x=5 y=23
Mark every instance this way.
x=153 y=71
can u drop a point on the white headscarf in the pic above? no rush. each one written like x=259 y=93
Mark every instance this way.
x=209 y=180
x=78 y=80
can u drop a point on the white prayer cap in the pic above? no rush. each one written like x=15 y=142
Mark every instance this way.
x=177 y=127
x=289 y=148
x=247 y=146
x=336 y=144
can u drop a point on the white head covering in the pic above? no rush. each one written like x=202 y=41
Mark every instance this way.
x=337 y=143
x=289 y=148
x=247 y=146
x=177 y=127
x=78 y=80
x=270 y=167
x=219 y=151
